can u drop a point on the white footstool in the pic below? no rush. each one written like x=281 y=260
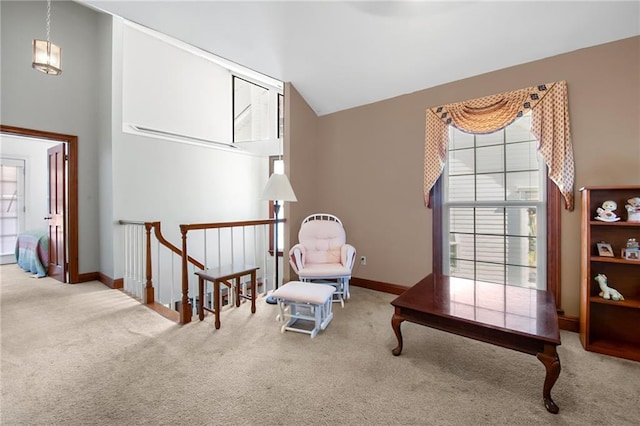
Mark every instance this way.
x=304 y=301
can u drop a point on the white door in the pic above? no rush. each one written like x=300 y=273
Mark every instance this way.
x=12 y=205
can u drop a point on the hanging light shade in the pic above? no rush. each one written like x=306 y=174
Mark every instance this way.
x=47 y=57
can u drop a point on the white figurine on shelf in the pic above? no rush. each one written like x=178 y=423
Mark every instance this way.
x=633 y=209
x=607 y=292
x=605 y=213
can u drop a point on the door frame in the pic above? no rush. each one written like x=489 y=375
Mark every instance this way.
x=72 y=190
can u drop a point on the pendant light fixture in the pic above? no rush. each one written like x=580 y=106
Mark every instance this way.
x=47 y=56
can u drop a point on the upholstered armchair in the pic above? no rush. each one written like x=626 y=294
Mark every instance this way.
x=323 y=255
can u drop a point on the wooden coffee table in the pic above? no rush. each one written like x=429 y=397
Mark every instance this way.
x=516 y=318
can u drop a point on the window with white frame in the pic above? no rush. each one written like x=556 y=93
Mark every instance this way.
x=250 y=111
x=494 y=207
x=12 y=216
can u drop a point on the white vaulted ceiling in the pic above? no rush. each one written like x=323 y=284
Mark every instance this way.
x=341 y=54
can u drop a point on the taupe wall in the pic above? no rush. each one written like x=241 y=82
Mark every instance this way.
x=300 y=142
x=367 y=162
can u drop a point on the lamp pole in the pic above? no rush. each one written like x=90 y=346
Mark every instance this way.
x=276 y=209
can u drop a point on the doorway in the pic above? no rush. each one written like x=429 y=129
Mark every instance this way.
x=69 y=188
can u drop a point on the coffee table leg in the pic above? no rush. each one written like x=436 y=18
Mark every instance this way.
x=552 y=363
x=396 y=320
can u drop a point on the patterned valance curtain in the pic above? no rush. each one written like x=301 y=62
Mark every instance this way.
x=549 y=107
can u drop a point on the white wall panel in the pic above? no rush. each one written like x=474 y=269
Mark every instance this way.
x=168 y=88
x=159 y=179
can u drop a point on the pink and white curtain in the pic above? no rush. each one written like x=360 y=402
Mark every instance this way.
x=549 y=107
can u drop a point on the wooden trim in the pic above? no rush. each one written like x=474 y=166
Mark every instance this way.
x=377 y=285
x=89 y=276
x=117 y=283
x=110 y=282
x=72 y=207
x=585 y=241
x=105 y=279
x=164 y=311
x=569 y=323
x=437 y=225
x=554 y=210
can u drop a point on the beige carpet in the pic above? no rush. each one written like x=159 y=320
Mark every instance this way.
x=87 y=355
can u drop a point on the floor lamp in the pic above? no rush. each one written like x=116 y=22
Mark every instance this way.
x=277 y=189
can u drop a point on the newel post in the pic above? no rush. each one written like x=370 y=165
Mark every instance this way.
x=185 y=306
x=149 y=294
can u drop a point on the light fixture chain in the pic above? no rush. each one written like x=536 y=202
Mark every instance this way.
x=48 y=18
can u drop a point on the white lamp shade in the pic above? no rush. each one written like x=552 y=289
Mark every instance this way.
x=47 y=57
x=278 y=188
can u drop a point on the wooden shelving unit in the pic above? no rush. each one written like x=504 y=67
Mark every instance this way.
x=607 y=326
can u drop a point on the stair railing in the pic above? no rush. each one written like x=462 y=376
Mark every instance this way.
x=231 y=244
x=139 y=266
x=159 y=284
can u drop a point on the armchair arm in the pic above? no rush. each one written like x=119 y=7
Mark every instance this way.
x=297 y=256
x=348 y=255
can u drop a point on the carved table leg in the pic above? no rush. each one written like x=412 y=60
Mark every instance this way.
x=552 y=363
x=396 y=320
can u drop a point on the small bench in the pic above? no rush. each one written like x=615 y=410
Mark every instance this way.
x=304 y=301
x=224 y=275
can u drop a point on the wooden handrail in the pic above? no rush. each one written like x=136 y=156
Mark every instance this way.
x=163 y=240
x=196 y=226
x=176 y=250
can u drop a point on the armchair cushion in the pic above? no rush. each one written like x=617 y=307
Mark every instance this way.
x=323 y=270
x=323 y=241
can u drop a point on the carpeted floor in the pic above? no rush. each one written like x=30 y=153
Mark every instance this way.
x=84 y=354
